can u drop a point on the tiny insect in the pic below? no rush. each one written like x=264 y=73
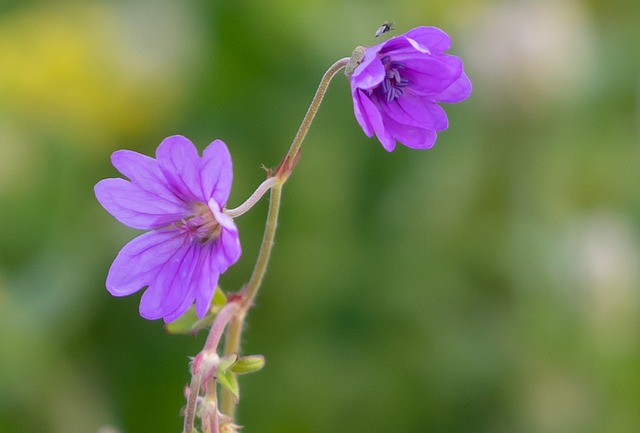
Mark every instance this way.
x=384 y=28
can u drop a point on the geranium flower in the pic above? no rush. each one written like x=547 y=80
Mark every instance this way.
x=180 y=197
x=398 y=84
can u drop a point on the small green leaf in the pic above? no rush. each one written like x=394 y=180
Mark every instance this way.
x=219 y=298
x=248 y=364
x=227 y=361
x=228 y=380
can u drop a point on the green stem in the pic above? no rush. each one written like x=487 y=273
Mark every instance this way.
x=250 y=290
x=190 y=410
x=210 y=346
x=315 y=104
x=234 y=334
x=226 y=314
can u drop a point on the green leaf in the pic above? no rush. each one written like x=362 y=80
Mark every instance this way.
x=228 y=380
x=226 y=362
x=248 y=364
x=219 y=298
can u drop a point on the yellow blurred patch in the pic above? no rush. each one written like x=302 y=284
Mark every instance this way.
x=85 y=71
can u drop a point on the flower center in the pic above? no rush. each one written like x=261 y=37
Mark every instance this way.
x=393 y=84
x=202 y=226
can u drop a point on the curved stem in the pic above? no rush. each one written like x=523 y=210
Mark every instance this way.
x=315 y=104
x=251 y=201
x=294 y=149
x=190 y=410
x=251 y=289
x=219 y=324
x=248 y=293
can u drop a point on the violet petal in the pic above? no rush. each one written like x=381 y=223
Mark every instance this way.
x=457 y=91
x=216 y=173
x=171 y=286
x=372 y=112
x=433 y=38
x=144 y=172
x=411 y=136
x=135 y=207
x=178 y=160
x=139 y=261
x=412 y=110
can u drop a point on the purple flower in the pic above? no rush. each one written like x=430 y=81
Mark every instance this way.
x=180 y=197
x=398 y=84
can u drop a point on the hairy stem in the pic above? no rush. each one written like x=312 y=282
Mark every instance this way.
x=313 y=108
x=190 y=410
x=250 y=290
x=232 y=342
x=251 y=201
x=315 y=104
x=210 y=346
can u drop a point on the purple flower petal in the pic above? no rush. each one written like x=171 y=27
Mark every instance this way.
x=144 y=172
x=370 y=72
x=361 y=117
x=227 y=246
x=395 y=45
x=166 y=296
x=227 y=249
x=179 y=161
x=138 y=263
x=411 y=136
x=432 y=38
x=412 y=110
x=399 y=83
x=135 y=207
x=374 y=115
x=216 y=173
x=456 y=92
x=223 y=219
x=181 y=196
x=430 y=75
x=207 y=281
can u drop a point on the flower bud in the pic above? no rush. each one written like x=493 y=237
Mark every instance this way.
x=248 y=364
x=354 y=61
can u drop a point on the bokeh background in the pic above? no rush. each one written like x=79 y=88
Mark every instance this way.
x=490 y=284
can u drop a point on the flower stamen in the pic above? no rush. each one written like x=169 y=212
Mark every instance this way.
x=393 y=83
x=202 y=226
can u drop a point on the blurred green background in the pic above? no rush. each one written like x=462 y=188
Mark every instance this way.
x=490 y=284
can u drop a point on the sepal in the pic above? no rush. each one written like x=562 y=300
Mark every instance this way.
x=228 y=380
x=354 y=61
